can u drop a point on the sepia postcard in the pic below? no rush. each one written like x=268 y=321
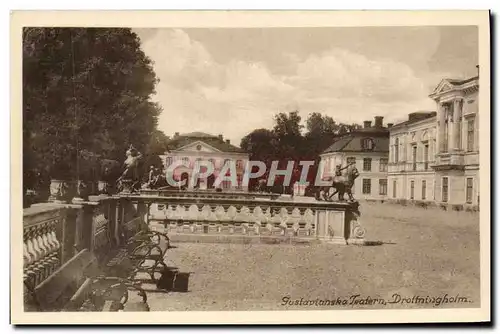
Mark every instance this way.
x=260 y=167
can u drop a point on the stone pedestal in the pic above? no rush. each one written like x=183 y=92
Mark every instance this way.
x=127 y=186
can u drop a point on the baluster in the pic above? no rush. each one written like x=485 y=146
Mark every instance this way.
x=55 y=245
x=44 y=231
x=40 y=263
x=26 y=261
x=31 y=269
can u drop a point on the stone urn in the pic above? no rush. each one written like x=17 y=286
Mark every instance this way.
x=59 y=191
x=102 y=187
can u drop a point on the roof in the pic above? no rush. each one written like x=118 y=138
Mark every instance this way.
x=416 y=117
x=352 y=141
x=198 y=135
x=458 y=82
x=214 y=141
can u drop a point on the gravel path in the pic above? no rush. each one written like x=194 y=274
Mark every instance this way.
x=424 y=253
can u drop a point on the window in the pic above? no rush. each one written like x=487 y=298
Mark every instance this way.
x=424 y=189
x=367 y=186
x=426 y=157
x=414 y=157
x=367 y=144
x=185 y=161
x=367 y=164
x=382 y=186
x=470 y=185
x=383 y=165
x=394 y=192
x=396 y=150
x=444 y=194
x=470 y=135
x=351 y=160
x=169 y=161
x=226 y=161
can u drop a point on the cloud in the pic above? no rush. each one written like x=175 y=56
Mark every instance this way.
x=198 y=93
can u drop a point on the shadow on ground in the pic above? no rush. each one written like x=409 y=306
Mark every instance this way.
x=377 y=243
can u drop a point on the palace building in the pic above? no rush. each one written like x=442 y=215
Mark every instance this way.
x=368 y=148
x=434 y=156
x=194 y=146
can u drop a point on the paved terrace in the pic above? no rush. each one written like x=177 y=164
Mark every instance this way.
x=415 y=251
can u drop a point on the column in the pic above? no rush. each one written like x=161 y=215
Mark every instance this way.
x=451 y=128
x=457 y=124
x=440 y=129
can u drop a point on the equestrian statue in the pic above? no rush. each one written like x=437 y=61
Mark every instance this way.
x=342 y=182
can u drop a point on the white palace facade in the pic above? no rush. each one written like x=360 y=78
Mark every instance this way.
x=434 y=156
x=192 y=147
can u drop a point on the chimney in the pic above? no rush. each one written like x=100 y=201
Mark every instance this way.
x=379 y=121
x=176 y=135
x=220 y=137
x=367 y=124
x=389 y=125
x=228 y=141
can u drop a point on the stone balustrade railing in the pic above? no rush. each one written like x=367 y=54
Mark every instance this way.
x=54 y=233
x=42 y=235
x=307 y=218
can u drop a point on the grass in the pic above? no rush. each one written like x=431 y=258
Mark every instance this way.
x=424 y=252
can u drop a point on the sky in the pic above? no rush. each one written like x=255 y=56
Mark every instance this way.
x=234 y=80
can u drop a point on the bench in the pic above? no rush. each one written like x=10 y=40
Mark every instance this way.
x=143 y=250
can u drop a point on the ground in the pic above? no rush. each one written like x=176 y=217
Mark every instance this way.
x=416 y=252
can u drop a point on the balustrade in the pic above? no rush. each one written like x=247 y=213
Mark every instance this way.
x=255 y=217
x=42 y=232
x=54 y=233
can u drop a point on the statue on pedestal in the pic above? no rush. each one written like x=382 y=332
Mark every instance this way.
x=129 y=181
x=342 y=183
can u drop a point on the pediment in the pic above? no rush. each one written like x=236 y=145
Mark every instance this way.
x=198 y=146
x=443 y=86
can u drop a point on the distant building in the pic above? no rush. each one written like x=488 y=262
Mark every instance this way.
x=434 y=156
x=368 y=148
x=194 y=146
x=412 y=150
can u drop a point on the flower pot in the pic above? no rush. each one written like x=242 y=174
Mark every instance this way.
x=59 y=191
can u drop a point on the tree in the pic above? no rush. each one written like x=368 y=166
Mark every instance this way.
x=288 y=132
x=84 y=89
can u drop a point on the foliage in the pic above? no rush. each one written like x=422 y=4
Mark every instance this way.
x=287 y=140
x=84 y=89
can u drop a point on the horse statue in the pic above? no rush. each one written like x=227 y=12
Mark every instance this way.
x=342 y=182
x=130 y=178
